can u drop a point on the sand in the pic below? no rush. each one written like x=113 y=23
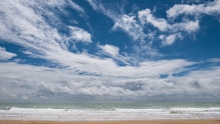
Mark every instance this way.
x=116 y=122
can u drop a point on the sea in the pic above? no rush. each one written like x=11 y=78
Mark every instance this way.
x=109 y=111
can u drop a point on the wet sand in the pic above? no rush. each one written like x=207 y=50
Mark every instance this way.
x=216 y=121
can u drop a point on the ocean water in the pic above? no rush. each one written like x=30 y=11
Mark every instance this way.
x=109 y=111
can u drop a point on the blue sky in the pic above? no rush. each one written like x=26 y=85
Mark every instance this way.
x=109 y=50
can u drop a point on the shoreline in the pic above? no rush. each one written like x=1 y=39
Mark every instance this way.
x=168 y=121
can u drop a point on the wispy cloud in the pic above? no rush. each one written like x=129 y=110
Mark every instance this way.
x=209 y=8
x=214 y=60
x=99 y=7
x=129 y=25
x=169 y=40
x=4 y=55
x=22 y=25
x=146 y=17
x=110 y=50
x=136 y=29
x=134 y=26
x=79 y=34
x=76 y=7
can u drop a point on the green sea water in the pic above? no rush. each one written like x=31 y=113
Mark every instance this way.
x=156 y=105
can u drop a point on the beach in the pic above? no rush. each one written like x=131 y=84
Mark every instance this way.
x=217 y=121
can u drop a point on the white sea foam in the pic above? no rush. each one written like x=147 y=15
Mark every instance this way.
x=116 y=114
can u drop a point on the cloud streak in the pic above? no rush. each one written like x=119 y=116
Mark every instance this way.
x=76 y=7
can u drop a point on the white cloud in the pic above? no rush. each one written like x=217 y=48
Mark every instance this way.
x=123 y=21
x=174 y=30
x=63 y=80
x=37 y=84
x=214 y=60
x=188 y=26
x=210 y=8
x=146 y=17
x=4 y=55
x=132 y=27
x=109 y=49
x=93 y=4
x=89 y=64
x=170 y=39
x=113 y=52
x=129 y=25
x=80 y=34
x=76 y=7
x=99 y=7
x=208 y=74
x=161 y=37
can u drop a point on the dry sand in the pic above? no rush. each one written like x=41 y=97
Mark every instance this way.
x=117 y=122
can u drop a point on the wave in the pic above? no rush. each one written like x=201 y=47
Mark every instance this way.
x=110 y=114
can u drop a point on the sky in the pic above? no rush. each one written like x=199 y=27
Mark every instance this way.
x=109 y=50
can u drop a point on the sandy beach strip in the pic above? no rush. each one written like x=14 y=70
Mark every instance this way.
x=216 y=121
